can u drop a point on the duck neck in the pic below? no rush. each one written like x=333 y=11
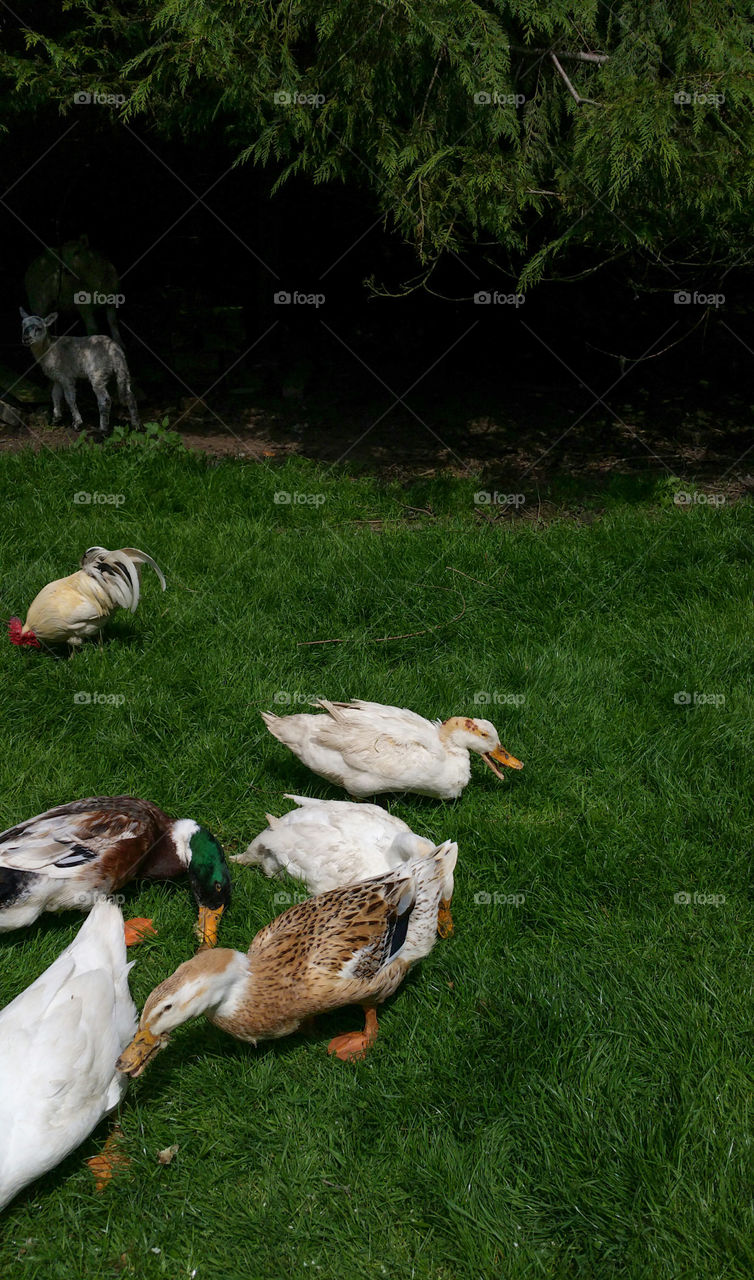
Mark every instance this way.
x=448 y=731
x=208 y=983
x=181 y=831
x=407 y=846
x=230 y=981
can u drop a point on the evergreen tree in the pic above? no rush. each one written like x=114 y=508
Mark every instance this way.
x=531 y=128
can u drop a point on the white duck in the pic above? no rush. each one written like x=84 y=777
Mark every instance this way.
x=329 y=844
x=61 y=1038
x=367 y=748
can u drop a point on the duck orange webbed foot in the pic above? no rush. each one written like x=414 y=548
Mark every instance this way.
x=137 y=929
x=444 y=919
x=353 y=1045
x=105 y=1166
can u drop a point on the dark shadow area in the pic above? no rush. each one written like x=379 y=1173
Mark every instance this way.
x=608 y=374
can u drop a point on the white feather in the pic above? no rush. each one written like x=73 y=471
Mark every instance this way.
x=369 y=748
x=329 y=844
x=59 y=1041
x=42 y=841
x=123 y=594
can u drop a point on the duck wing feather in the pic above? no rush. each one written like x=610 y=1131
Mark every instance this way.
x=394 y=748
x=349 y=933
x=72 y=835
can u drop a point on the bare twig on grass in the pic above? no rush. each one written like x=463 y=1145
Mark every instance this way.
x=406 y=635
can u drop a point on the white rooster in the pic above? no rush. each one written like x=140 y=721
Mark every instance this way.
x=74 y=608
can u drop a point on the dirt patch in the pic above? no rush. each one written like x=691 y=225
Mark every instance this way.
x=537 y=437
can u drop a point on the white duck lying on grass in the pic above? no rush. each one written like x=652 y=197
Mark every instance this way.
x=348 y=946
x=368 y=748
x=61 y=1038
x=331 y=843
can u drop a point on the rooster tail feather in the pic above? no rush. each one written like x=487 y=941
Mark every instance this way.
x=141 y=557
x=119 y=572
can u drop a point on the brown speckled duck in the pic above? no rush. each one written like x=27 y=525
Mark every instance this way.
x=67 y=858
x=352 y=945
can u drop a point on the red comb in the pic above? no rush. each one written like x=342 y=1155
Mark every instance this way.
x=16 y=636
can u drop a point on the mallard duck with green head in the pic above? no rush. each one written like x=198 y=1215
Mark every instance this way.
x=68 y=857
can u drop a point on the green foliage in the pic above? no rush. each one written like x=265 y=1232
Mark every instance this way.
x=530 y=172
x=151 y=436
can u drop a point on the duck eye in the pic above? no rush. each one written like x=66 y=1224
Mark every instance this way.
x=165 y=1007
x=218 y=886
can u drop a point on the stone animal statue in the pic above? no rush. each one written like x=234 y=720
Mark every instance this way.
x=64 y=360
x=72 y=278
x=9 y=416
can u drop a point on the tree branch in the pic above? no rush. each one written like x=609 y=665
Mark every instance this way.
x=598 y=58
x=580 y=102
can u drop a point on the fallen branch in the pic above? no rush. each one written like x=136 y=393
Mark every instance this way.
x=468 y=575
x=406 y=635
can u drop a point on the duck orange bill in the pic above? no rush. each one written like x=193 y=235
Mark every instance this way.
x=503 y=757
x=206 y=926
x=139 y=1052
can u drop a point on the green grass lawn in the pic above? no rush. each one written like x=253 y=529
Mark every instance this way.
x=561 y=1089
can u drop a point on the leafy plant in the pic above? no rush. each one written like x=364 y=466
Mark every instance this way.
x=529 y=130
x=152 y=436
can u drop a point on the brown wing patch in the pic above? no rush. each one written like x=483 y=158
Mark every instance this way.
x=131 y=806
x=110 y=826
x=322 y=935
